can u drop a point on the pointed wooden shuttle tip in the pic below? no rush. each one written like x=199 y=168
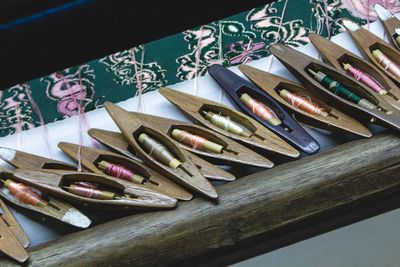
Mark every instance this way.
x=382 y=12
x=277 y=48
x=168 y=202
x=365 y=133
x=7 y=154
x=63 y=145
x=166 y=92
x=117 y=113
x=112 y=108
x=315 y=37
x=76 y=218
x=249 y=71
x=92 y=131
x=211 y=193
x=292 y=152
x=350 y=25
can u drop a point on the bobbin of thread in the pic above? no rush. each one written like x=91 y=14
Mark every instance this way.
x=302 y=103
x=90 y=192
x=397 y=36
x=260 y=109
x=159 y=151
x=120 y=171
x=340 y=90
x=85 y=184
x=225 y=123
x=386 y=62
x=197 y=142
x=364 y=78
x=24 y=193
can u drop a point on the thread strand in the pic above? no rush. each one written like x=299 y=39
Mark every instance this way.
x=24 y=193
x=197 y=60
x=364 y=78
x=38 y=112
x=225 y=123
x=121 y=172
x=197 y=142
x=302 y=103
x=387 y=63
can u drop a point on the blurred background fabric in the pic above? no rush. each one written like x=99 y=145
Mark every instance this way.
x=86 y=64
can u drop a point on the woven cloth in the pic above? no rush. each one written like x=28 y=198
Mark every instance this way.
x=231 y=41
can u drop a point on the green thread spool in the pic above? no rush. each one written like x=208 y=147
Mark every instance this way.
x=340 y=90
x=159 y=151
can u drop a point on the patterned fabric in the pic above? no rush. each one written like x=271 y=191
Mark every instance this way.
x=177 y=58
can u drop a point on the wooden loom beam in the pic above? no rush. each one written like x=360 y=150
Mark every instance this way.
x=259 y=212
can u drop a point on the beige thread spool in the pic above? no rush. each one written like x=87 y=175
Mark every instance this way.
x=225 y=123
x=159 y=151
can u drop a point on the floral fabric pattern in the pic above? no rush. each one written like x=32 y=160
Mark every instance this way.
x=231 y=41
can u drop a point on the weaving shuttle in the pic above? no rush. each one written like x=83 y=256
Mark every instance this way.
x=262 y=138
x=56 y=208
x=300 y=65
x=231 y=153
x=369 y=42
x=336 y=120
x=91 y=157
x=282 y=124
x=117 y=143
x=23 y=160
x=391 y=24
x=13 y=239
x=186 y=174
x=337 y=56
x=130 y=196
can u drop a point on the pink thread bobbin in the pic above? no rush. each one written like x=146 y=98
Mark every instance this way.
x=364 y=78
x=387 y=63
x=90 y=192
x=303 y=103
x=197 y=142
x=260 y=109
x=86 y=184
x=120 y=171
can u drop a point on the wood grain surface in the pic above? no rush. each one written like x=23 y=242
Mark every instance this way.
x=90 y=157
x=368 y=42
x=336 y=120
x=391 y=25
x=262 y=138
x=232 y=153
x=336 y=55
x=256 y=213
x=116 y=142
x=299 y=63
x=187 y=174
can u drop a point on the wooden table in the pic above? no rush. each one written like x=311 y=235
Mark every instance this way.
x=255 y=214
